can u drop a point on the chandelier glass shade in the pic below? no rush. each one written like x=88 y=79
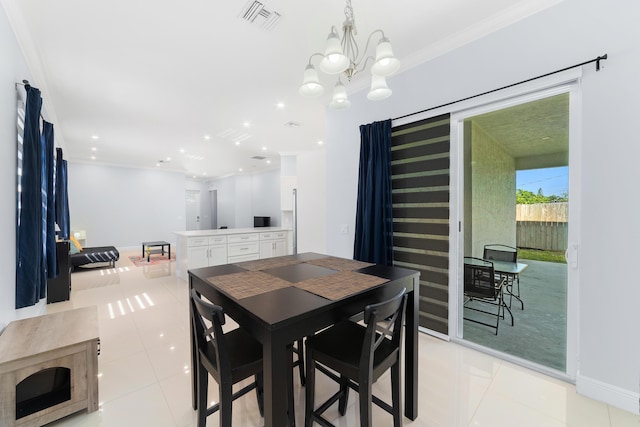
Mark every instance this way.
x=342 y=57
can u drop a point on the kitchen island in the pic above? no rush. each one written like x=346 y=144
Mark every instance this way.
x=206 y=248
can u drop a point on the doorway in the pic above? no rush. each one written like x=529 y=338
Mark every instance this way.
x=503 y=147
x=192 y=203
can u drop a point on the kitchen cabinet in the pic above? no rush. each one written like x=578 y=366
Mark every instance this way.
x=205 y=248
x=273 y=244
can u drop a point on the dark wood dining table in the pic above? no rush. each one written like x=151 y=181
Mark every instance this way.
x=280 y=300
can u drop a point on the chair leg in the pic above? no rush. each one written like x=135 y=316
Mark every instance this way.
x=226 y=404
x=344 y=398
x=396 y=401
x=202 y=389
x=291 y=410
x=364 y=391
x=300 y=344
x=260 y=392
x=309 y=389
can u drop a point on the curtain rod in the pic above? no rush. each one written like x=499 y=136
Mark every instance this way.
x=596 y=60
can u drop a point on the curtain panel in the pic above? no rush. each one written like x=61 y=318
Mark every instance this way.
x=374 y=213
x=48 y=201
x=61 y=196
x=30 y=276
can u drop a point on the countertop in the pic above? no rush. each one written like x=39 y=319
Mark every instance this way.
x=227 y=231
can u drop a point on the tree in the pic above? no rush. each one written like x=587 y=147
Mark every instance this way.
x=524 y=197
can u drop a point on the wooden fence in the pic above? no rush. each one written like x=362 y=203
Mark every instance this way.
x=542 y=226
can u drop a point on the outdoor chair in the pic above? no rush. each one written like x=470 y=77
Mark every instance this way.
x=499 y=252
x=356 y=356
x=481 y=285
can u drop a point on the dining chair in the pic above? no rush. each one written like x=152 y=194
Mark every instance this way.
x=500 y=252
x=482 y=285
x=229 y=358
x=359 y=354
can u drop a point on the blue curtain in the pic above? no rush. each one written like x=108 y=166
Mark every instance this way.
x=31 y=278
x=48 y=201
x=374 y=214
x=62 y=197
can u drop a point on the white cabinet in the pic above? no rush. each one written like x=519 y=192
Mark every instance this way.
x=243 y=247
x=207 y=248
x=273 y=244
x=206 y=251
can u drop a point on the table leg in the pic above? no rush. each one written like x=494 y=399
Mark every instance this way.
x=276 y=360
x=169 y=245
x=143 y=250
x=411 y=353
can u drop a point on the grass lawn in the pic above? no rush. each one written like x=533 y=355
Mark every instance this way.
x=540 y=255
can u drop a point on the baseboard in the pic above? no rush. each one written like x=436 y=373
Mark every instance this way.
x=607 y=393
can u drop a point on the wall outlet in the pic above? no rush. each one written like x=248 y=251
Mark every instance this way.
x=344 y=229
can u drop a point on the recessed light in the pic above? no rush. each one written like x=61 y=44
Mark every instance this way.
x=239 y=169
x=94 y=137
x=264 y=148
x=280 y=105
x=181 y=150
x=204 y=174
x=93 y=157
x=168 y=159
x=246 y=124
x=320 y=142
x=207 y=137
x=237 y=142
x=157 y=165
x=268 y=161
x=94 y=149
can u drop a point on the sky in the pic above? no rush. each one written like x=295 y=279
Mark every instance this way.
x=553 y=181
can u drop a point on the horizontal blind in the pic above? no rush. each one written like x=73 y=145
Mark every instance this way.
x=420 y=184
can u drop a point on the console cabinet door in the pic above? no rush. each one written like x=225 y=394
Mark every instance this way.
x=198 y=256
x=217 y=255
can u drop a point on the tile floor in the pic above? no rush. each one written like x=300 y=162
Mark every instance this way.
x=145 y=374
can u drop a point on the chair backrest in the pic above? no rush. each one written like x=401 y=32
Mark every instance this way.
x=384 y=321
x=479 y=278
x=499 y=252
x=207 y=320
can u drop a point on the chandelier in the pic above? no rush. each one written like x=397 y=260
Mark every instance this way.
x=342 y=57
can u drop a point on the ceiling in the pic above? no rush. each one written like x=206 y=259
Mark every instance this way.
x=535 y=134
x=174 y=85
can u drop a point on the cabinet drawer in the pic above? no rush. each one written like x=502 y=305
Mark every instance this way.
x=198 y=241
x=216 y=240
x=241 y=238
x=273 y=235
x=242 y=249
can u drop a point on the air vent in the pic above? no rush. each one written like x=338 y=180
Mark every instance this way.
x=256 y=13
x=292 y=124
x=234 y=135
x=258 y=157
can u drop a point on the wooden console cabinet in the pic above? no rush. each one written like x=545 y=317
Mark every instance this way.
x=67 y=341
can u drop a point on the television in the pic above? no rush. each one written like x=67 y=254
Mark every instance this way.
x=262 y=221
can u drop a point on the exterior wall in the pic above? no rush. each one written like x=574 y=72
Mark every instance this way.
x=493 y=178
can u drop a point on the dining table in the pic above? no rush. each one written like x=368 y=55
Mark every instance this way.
x=283 y=299
x=510 y=270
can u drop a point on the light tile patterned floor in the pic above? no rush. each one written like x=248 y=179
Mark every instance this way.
x=144 y=369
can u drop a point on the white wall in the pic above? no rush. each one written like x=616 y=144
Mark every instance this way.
x=123 y=207
x=241 y=197
x=265 y=189
x=13 y=69
x=569 y=33
x=312 y=193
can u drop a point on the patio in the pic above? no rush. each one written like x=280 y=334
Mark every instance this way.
x=540 y=330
